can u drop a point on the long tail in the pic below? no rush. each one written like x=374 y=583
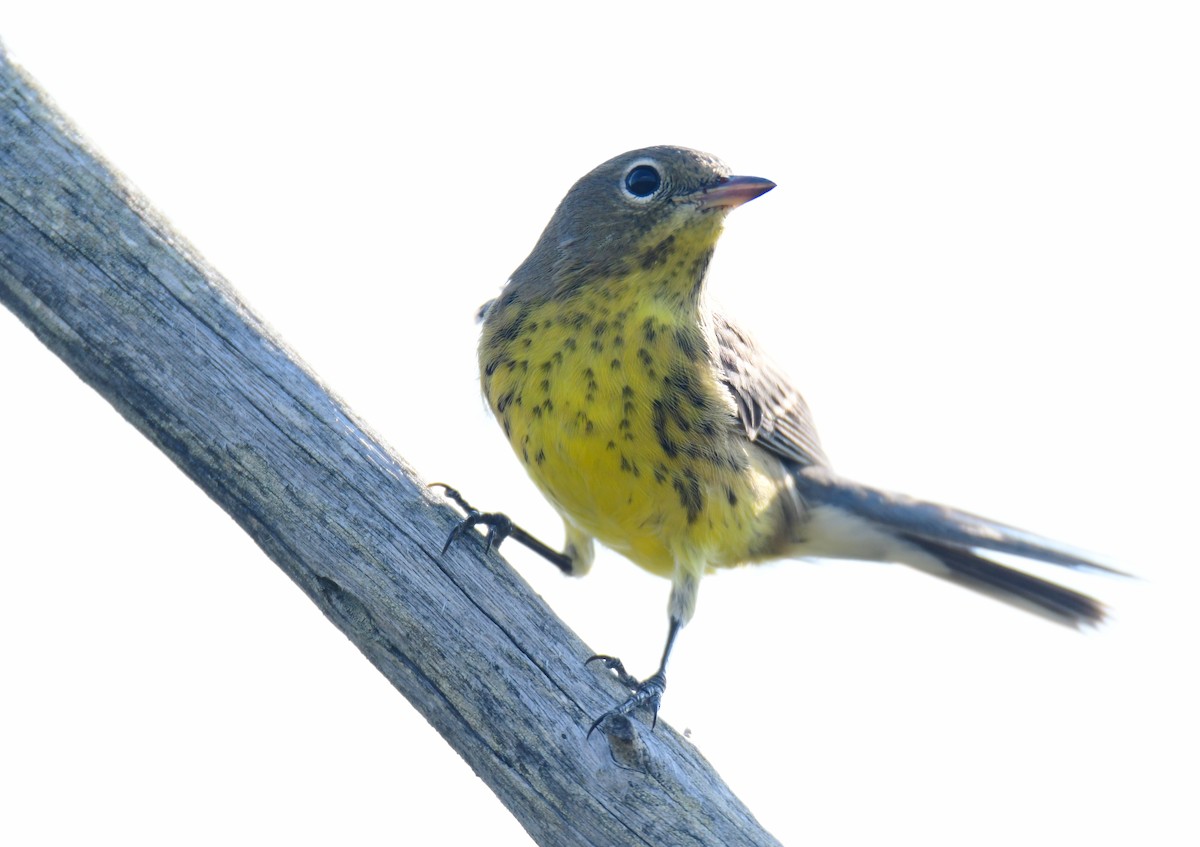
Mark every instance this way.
x=855 y=521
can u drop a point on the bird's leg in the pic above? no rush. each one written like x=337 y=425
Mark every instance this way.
x=500 y=527
x=685 y=585
x=649 y=691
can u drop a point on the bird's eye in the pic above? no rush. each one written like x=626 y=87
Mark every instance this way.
x=643 y=181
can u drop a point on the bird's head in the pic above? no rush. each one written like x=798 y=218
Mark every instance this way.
x=635 y=210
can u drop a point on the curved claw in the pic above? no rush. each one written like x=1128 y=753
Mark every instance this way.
x=451 y=493
x=614 y=664
x=461 y=527
x=499 y=525
x=610 y=662
x=649 y=693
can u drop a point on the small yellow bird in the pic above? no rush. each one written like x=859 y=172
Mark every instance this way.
x=654 y=425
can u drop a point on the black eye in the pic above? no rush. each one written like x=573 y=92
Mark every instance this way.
x=642 y=181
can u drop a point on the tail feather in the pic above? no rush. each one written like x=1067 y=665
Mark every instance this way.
x=1010 y=585
x=936 y=523
x=943 y=541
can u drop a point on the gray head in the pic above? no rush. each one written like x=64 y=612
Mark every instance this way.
x=600 y=224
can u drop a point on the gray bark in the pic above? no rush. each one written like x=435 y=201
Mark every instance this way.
x=126 y=302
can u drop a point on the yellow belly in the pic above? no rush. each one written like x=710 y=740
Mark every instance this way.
x=615 y=409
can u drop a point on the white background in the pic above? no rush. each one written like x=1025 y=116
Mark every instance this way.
x=980 y=265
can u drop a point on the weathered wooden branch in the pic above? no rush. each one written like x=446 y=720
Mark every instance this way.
x=107 y=286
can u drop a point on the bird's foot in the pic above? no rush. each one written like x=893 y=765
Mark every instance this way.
x=647 y=692
x=499 y=526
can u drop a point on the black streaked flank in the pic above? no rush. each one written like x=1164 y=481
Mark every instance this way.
x=687 y=486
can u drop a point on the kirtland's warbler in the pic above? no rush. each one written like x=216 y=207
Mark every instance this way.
x=654 y=425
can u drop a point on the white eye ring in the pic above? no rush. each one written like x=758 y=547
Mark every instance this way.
x=640 y=175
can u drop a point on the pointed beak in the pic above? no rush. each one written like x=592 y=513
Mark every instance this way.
x=730 y=193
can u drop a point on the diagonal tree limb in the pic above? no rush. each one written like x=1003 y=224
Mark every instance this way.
x=140 y=317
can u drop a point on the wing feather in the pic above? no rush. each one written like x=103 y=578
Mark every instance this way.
x=772 y=412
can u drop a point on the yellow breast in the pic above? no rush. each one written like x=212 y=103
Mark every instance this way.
x=612 y=402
